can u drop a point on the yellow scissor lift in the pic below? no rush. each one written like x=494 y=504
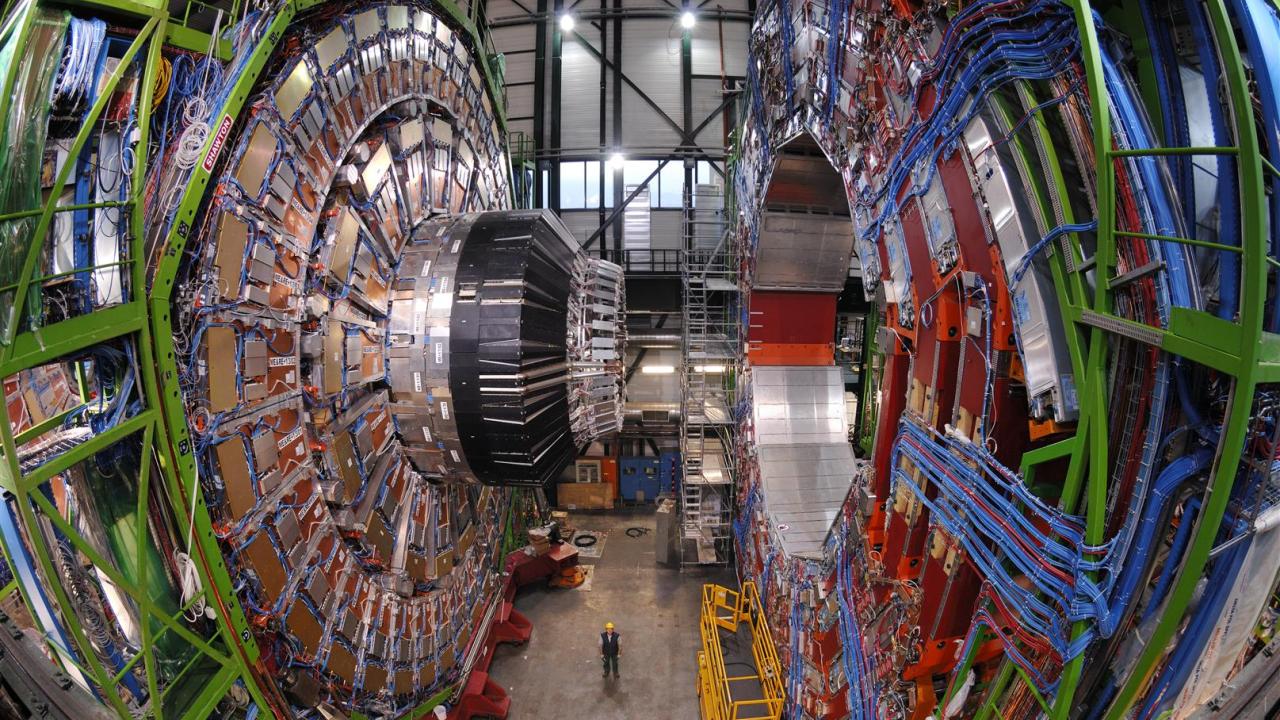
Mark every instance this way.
x=741 y=697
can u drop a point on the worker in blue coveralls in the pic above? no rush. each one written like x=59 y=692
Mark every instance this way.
x=609 y=650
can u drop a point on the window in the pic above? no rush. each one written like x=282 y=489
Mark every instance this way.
x=706 y=174
x=635 y=172
x=572 y=186
x=593 y=184
x=580 y=187
x=671 y=192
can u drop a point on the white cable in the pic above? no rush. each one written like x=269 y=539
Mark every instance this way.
x=191 y=588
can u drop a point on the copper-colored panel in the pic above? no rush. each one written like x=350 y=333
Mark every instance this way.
x=291 y=438
x=335 y=569
x=293 y=90
x=332 y=145
x=233 y=237
x=311 y=520
x=233 y=464
x=266 y=563
x=376 y=290
x=342 y=663
x=444 y=563
x=371 y=362
x=256 y=159
x=220 y=343
x=379 y=538
x=282 y=368
x=345 y=457
x=417 y=568
x=373 y=94
x=375 y=678
x=344 y=245
x=302 y=624
x=404 y=682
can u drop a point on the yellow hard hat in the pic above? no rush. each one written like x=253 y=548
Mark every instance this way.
x=608 y=626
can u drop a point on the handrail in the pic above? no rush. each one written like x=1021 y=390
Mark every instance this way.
x=726 y=609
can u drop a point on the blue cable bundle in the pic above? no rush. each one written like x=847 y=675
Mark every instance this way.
x=1259 y=22
x=1217 y=591
x=1044 y=52
x=858 y=669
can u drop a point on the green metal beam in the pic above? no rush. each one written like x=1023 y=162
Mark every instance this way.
x=166 y=442
x=40 y=346
x=175 y=446
x=1226 y=463
x=83 y=451
x=87 y=129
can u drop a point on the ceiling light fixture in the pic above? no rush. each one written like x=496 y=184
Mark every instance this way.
x=657 y=369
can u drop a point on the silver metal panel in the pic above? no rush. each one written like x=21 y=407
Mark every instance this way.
x=803 y=251
x=636 y=236
x=798 y=406
x=1036 y=316
x=806 y=462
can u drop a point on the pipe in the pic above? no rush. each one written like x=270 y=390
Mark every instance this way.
x=636 y=410
x=654 y=339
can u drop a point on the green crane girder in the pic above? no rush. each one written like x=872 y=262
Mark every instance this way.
x=231 y=656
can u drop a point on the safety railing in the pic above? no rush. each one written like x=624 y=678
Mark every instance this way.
x=662 y=261
x=726 y=609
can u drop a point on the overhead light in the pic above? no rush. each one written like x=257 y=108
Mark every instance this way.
x=687 y=20
x=566 y=23
x=617 y=161
x=656 y=369
x=708 y=368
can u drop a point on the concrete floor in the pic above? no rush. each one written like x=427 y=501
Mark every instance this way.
x=557 y=673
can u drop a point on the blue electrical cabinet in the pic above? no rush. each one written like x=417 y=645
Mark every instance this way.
x=649 y=476
x=639 y=478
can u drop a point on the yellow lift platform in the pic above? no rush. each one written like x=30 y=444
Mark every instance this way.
x=741 y=697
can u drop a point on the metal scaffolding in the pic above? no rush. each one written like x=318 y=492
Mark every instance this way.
x=708 y=377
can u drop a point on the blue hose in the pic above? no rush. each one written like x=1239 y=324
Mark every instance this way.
x=1260 y=28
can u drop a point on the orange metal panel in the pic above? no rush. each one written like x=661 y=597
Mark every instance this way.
x=820 y=354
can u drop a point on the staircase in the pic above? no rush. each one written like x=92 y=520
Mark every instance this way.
x=708 y=374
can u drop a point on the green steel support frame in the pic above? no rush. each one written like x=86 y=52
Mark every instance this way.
x=1240 y=350
x=165 y=440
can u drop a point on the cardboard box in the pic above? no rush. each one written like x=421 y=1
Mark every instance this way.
x=585 y=496
x=561 y=519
